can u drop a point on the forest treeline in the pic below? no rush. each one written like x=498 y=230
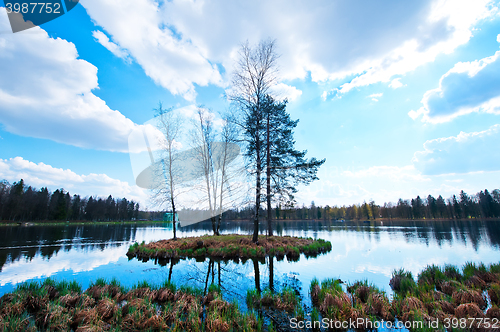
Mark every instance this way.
x=481 y=205
x=21 y=202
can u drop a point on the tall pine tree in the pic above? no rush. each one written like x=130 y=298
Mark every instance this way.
x=285 y=166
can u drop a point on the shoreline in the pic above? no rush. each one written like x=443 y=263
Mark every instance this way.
x=339 y=222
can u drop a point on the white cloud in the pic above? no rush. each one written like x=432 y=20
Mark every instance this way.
x=374 y=96
x=46 y=92
x=112 y=47
x=467 y=87
x=171 y=60
x=283 y=91
x=443 y=26
x=43 y=175
x=179 y=42
x=395 y=83
x=332 y=94
x=464 y=153
x=498 y=38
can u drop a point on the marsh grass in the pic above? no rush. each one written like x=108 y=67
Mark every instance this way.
x=62 y=306
x=231 y=247
x=440 y=293
x=287 y=300
x=402 y=282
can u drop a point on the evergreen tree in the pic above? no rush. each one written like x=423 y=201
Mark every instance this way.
x=441 y=207
x=285 y=166
x=432 y=206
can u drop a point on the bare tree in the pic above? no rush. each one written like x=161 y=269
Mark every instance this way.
x=214 y=152
x=256 y=72
x=167 y=172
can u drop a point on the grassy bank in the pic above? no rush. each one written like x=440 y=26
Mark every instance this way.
x=230 y=247
x=440 y=299
x=62 y=306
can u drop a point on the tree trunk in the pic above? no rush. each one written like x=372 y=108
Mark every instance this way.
x=218 y=223
x=255 y=238
x=215 y=227
x=208 y=276
x=173 y=218
x=271 y=273
x=218 y=265
x=268 y=178
x=257 y=274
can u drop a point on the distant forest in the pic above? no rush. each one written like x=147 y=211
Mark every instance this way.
x=21 y=202
x=481 y=205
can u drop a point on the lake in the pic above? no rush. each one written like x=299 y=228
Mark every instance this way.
x=360 y=250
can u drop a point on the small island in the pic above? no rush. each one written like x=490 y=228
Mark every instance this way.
x=231 y=246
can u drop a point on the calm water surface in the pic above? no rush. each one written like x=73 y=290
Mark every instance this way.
x=360 y=250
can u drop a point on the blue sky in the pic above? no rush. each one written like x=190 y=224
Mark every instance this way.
x=401 y=98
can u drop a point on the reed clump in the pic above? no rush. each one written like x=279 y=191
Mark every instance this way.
x=286 y=300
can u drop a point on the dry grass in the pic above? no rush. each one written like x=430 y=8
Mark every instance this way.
x=494 y=293
x=469 y=296
x=469 y=310
x=447 y=307
x=411 y=304
x=378 y=305
x=54 y=317
x=448 y=287
x=143 y=293
x=87 y=319
x=476 y=282
x=315 y=294
x=493 y=312
x=487 y=277
x=165 y=295
x=144 y=309
x=107 y=308
x=69 y=300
